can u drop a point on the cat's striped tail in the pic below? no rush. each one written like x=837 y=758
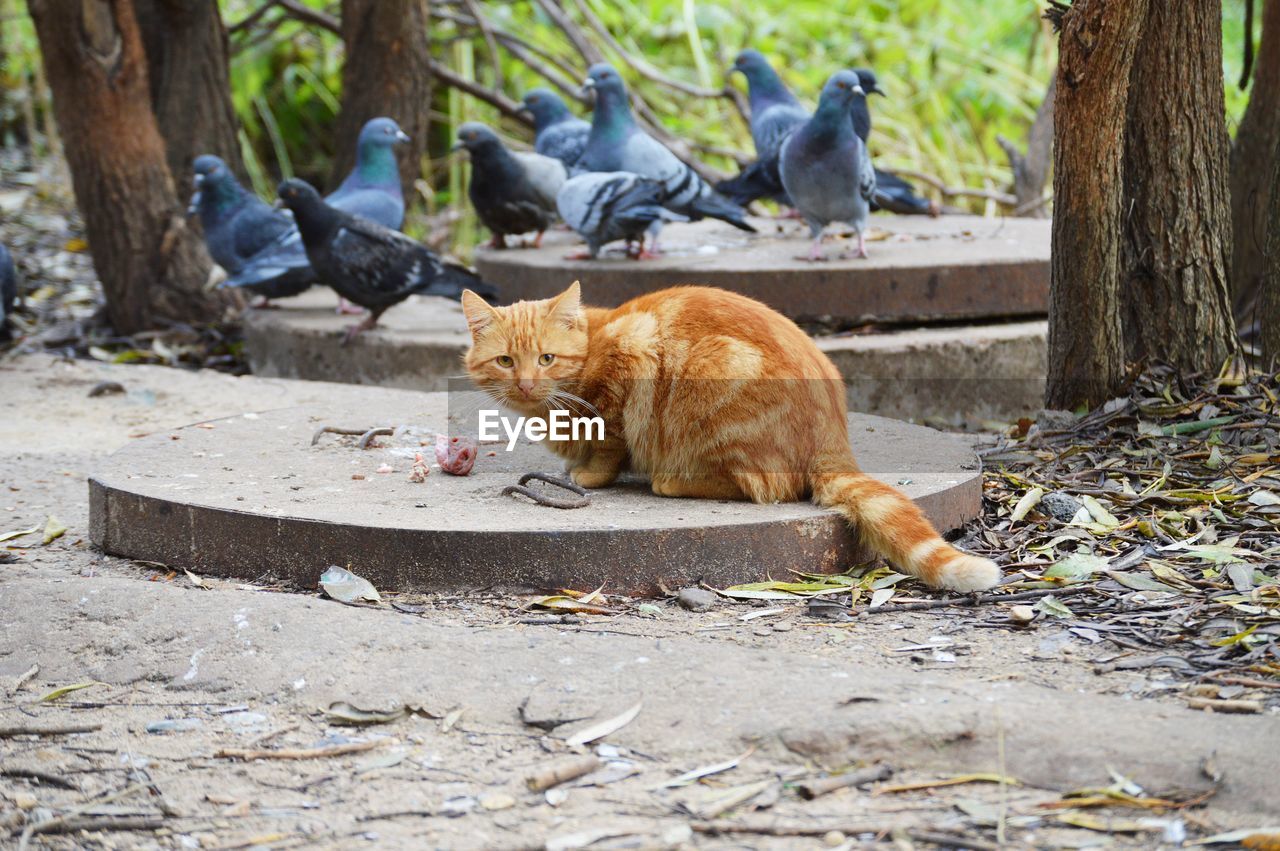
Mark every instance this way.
x=891 y=525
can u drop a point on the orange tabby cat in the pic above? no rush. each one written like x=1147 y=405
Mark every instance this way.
x=709 y=394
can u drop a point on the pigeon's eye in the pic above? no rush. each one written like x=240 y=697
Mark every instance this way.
x=505 y=361
x=842 y=85
x=545 y=360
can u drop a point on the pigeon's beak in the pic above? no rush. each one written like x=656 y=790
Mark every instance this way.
x=523 y=109
x=878 y=92
x=857 y=90
x=588 y=86
x=278 y=205
x=402 y=136
x=193 y=206
x=198 y=180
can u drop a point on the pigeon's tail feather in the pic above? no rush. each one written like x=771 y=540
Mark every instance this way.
x=453 y=278
x=897 y=196
x=716 y=206
x=753 y=183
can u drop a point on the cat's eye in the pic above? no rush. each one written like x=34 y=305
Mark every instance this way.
x=506 y=361
x=545 y=360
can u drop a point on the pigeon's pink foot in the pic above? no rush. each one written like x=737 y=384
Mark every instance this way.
x=862 y=246
x=359 y=328
x=580 y=254
x=815 y=252
x=498 y=241
x=537 y=240
x=262 y=303
x=346 y=308
x=789 y=213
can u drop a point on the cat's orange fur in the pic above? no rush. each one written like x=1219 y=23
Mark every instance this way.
x=709 y=394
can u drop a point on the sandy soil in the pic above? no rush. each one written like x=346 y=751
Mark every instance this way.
x=236 y=666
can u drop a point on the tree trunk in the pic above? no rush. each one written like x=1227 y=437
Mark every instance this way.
x=1031 y=170
x=1176 y=302
x=152 y=267
x=387 y=72
x=1096 y=49
x=1253 y=159
x=1270 y=283
x=186 y=48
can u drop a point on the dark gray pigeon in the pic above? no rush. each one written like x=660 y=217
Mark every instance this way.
x=513 y=193
x=617 y=144
x=557 y=132
x=8 y=291
x=245 y=236
x=825 y=167
x=368 y=264
x=371 y=190
x=775 y=112
x=606 y=205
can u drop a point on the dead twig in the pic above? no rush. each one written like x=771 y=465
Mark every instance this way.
x=977 y=600
x=299 y=753
x=811 y=789
x=561 y=772
x=58 y=730
x=41 y=776
x=97 y=823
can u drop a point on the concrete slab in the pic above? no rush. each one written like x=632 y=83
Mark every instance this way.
x=956 y=373
x=920 y=269
x=249 y=497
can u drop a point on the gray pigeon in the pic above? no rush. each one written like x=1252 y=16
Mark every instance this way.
x=606 y=205
x=371 y=265
x=513 y=193
x=775 y=112
x=825 y=167
x=557 y=132
x=245 y=236
x=8 y=291
x=617 y=144
x=371 y=190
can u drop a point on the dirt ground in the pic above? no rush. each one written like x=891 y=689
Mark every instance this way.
x=181 y=674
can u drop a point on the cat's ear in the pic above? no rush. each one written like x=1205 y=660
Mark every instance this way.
x=567 y=307
x=478 y=312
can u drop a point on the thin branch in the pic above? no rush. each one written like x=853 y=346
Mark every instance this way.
x=298 y=11
x=642 y=67
x=577 y=38
x=955 y=192
x=498 y=100
x=490 y=42
x=250 y=19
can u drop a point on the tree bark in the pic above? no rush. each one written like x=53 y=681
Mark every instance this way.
x=152 y=267
x=1096 y=50
x=186 y=47
x=387 y=72
x=1253 y=159
x=1175 y=292
x=1269 y=318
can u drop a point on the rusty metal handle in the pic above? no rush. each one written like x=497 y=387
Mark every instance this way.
x=583 y=500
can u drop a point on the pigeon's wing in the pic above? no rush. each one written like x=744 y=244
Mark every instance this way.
x=545 y=176
x=771 y=128
x=284 y=259
x=8 y=285
x=758 y=180
x=382 y=206
x=866 y=173
x=564 y=141
x=258 y=227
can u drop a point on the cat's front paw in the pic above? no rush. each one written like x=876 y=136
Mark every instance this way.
x=586 y=477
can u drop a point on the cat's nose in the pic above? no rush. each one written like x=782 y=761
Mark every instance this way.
x=526 y=386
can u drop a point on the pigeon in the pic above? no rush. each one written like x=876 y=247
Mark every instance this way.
x=513 y=193
x=557 y=132
x=775 y=112
x=8 y=290
x=371 y=265
x=617 y=144
x=825 y=166
x=371 y=190
x=606 y=205
x=245 y=236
